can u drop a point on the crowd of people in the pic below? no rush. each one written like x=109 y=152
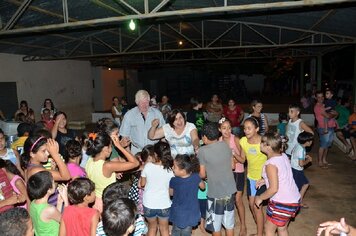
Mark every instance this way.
x=188 y=169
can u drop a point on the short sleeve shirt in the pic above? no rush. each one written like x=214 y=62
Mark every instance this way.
x=216 y=158
x=180 y=144
x=298 y=154
x=136 y=128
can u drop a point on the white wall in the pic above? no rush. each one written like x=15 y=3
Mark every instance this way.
x=68 y=83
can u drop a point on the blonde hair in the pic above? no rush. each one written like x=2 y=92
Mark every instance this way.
x=141 y=95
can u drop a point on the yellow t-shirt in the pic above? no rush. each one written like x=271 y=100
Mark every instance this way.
x=19 y=143
x=94 y=171
x=255 y=159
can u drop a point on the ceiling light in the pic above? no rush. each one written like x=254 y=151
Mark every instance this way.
x=132 y=25
x=109 y=68
x=180 y=42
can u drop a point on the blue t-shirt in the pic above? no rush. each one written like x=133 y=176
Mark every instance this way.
x=185 y=209
x=281 y=128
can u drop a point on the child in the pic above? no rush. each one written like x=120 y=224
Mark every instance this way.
x=45 y=217
x=281 y=127
x=17 y=222
x=8 y=153
x=250 y=146
x=239 y=171
x=299 y=159
x=47 y=119
x=257 y=106
x=23 y=131
x=185 y=212
x=281 y=191
x=155 y=179
x=83 y=141
x=110 y=128
x=16 y=181
x=100 y=171
x=78 y=218
x=196 y=115
x=294 y=127
x=119 y=191
x=136 y=192
x=216 y=162
x=36 y=151
x=119 y=217
x=329 y=104
x=73 y=156
x=7 y=196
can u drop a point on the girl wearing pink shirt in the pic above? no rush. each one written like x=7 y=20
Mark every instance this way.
x=239 y=170
x=73 y=157
x=16 y=181
x=282 y=192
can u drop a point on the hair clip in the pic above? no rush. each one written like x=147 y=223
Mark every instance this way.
x=222 y=120
x=92 y=136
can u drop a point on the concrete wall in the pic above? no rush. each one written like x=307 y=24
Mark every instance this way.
x=67 y=83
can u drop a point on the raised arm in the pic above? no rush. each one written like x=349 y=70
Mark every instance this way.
x=154 y=132
x=54 y=130
x=117 y=166
x=63 y=173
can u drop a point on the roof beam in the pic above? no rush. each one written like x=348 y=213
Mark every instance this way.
x=283 y=5
x=160 y=6
x=22 y=8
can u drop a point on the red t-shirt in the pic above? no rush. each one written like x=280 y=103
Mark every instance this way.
x=233 y=115
x=78 y=220
x=6 y=190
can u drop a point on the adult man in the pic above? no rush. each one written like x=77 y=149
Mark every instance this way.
x=325 y=139
x=137 y=122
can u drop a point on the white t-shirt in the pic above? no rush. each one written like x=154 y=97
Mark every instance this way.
x=298 y=153
x=156 y=193
x=292 y=132
x=180 y=144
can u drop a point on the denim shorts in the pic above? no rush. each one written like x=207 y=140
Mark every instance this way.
x=153 y=213
x=326 y=139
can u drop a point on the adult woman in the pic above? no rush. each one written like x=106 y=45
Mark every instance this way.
x=116 y=110
x=60 y=132
x=235 y=115
x=181 y=135
x=257 y=106
x=214 y=109
x=50 y=106
x=27 y=113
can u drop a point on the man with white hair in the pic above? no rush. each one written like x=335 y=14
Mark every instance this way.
x=137 y=122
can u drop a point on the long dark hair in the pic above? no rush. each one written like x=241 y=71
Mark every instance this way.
x=96 y=143
x=10 y=167
x=32 y=144
x=163 y=154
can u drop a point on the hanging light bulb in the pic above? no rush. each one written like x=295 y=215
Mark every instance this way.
x=132 y=25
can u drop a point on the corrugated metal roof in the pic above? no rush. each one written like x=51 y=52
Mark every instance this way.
x=97 y=29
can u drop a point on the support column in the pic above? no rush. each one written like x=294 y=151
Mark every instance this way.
x=319 y=71
x=301 y=79
x=354 y=78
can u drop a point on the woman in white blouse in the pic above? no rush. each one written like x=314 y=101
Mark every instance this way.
x=181 y=135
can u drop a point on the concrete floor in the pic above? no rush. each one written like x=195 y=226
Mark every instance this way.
x=332 y=195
